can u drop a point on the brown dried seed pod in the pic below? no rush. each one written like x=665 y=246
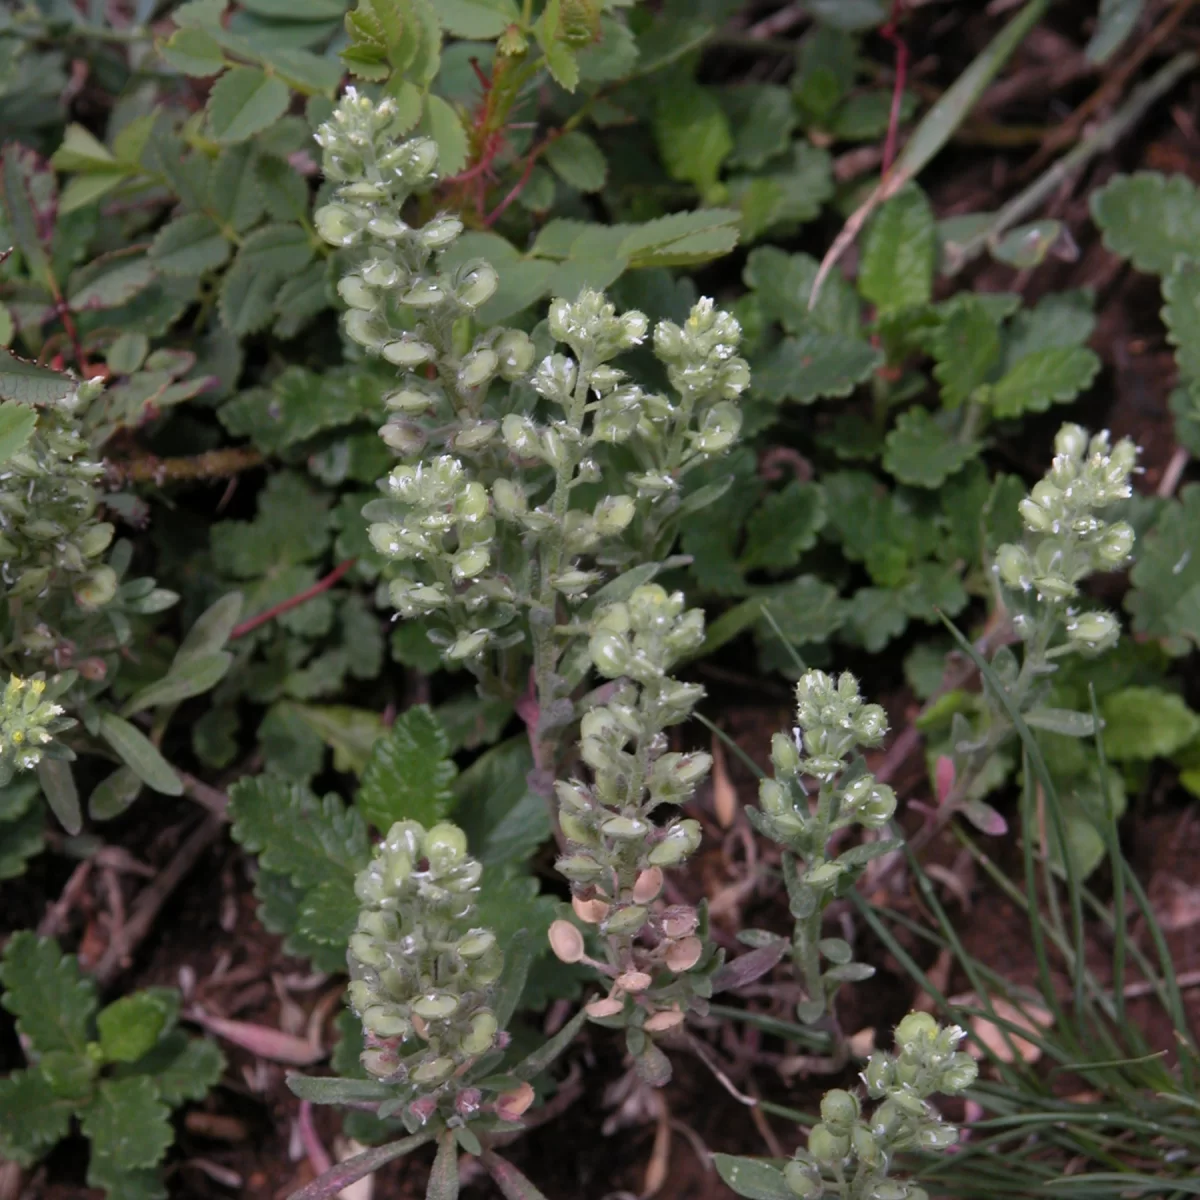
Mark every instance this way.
x=566 y=941
x=634 y=981
x=685 y=954
x=648 y=885
x=591 y=912
x=660 y=1022
x=510 y=1105
x=606 y=1006
x=679 y=921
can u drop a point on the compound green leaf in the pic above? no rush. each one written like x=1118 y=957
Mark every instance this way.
x=1181 y=314
x=875 y=617
x=899 y=252
x=17 y=423
x=140 y=754
x=578 y=161
x=1059 y=319
x=1150 y=219
x=32 y=1117
x=109 y=282
x=190 y=245
x=1145 y=723
x=1054 y=375
x=245 y=101
x=328 y=913
x=409 y=775
x=807 y=610
x=919 y=451
x=693 y=135
x=785 y=196
x=1165 y=598
x=814 y=365
x=128 y=1125
x=297 y=835
x=236 y=198
x=44 y=990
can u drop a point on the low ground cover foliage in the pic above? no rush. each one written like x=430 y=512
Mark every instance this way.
x=422 y=421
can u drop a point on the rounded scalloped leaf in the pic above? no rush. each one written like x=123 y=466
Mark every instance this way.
x=920 y=452
x=1149 y=218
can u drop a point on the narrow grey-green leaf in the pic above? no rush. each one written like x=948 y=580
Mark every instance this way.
x=192 y=677
x=138 y=752
x=58 y=786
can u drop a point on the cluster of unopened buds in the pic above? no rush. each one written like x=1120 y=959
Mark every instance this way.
x=421 y=971
x=1067 y=538
x=28 y=723
x=849 y=1154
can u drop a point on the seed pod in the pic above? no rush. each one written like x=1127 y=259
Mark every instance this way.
x=648 y=885
x=634 y=981
x=566 y=941
x=660 y=1022
x=607 y=1006
x=509 y=1106
x=685 y=954
x=591 y=912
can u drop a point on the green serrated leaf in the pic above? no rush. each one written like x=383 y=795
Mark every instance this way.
x=680 y=240
x=806 y=610
x=782 y=284
x=504 y=820
x=763 y=117
x=265 y=259
x=814 y=365
x=295 y=834
x=190 y=245
x=1165 y=598
x=783 y=527
x=28 y=190
x=409 y=775
x=44 y=990
x=130 y=1026
x=1150 y=219
x=899 y=252
x=921 y=452
x=444 y=125
x=27 y=383
x=140 y=754
x=693 y=135
x=245 y=101
x=479 y=20
x=32 y=1117
x=965 y=347
x=1181 y=315
x=128 y=1124
x=193 y=52
x=1145 y=723
x=578 y=161
x=235 y=196
x=1052 y=376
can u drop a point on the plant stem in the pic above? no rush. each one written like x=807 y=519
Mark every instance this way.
x=214 y=464
x=322 y=585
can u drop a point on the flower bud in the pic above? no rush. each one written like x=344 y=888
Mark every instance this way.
x=514 y=350
x=801 y=1181
x=916 y=1027
x=839 y=1109
x=826 y=1147
x=609 y=654
x=1093 y=631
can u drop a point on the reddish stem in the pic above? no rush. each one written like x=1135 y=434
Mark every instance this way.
x=890 y=31
x=322 y=585
x=519 y=186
